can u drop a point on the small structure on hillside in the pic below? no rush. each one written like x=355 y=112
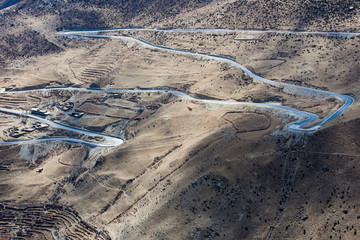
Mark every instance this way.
x=40 y=126
x=16 y=134
x=28 y=129
x=153 y=107
x=77 y=114
x=117 y=95
x=39 y=112
x=65 y=106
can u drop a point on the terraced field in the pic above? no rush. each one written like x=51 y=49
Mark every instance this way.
x=17 y=101
x=96 y=71
x=44 y=222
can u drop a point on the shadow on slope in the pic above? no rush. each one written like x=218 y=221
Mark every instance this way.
x=233 y=190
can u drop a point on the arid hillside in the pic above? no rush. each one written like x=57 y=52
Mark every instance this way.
x=190 y=166
x=43 y=17
x=327 y=15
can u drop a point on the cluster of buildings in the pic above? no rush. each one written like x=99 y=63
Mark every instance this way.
x=65 y=106
x=18 y=132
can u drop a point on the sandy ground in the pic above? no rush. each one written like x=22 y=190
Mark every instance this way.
x=223 y=172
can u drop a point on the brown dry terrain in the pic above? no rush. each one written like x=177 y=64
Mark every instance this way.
x=187 y=169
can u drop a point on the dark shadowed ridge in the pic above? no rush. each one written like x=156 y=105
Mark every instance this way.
x=8 y=3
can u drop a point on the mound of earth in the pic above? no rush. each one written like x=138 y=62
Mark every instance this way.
x=247 y=122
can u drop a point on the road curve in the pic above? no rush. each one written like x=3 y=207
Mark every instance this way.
x=305 y=119
x=109 y=140
x=297 y=90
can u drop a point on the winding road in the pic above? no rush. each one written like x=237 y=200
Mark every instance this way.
x=216 y=31
x=305 y=121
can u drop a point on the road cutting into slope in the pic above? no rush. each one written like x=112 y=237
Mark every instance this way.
x=305 y=122
x=288 y=88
